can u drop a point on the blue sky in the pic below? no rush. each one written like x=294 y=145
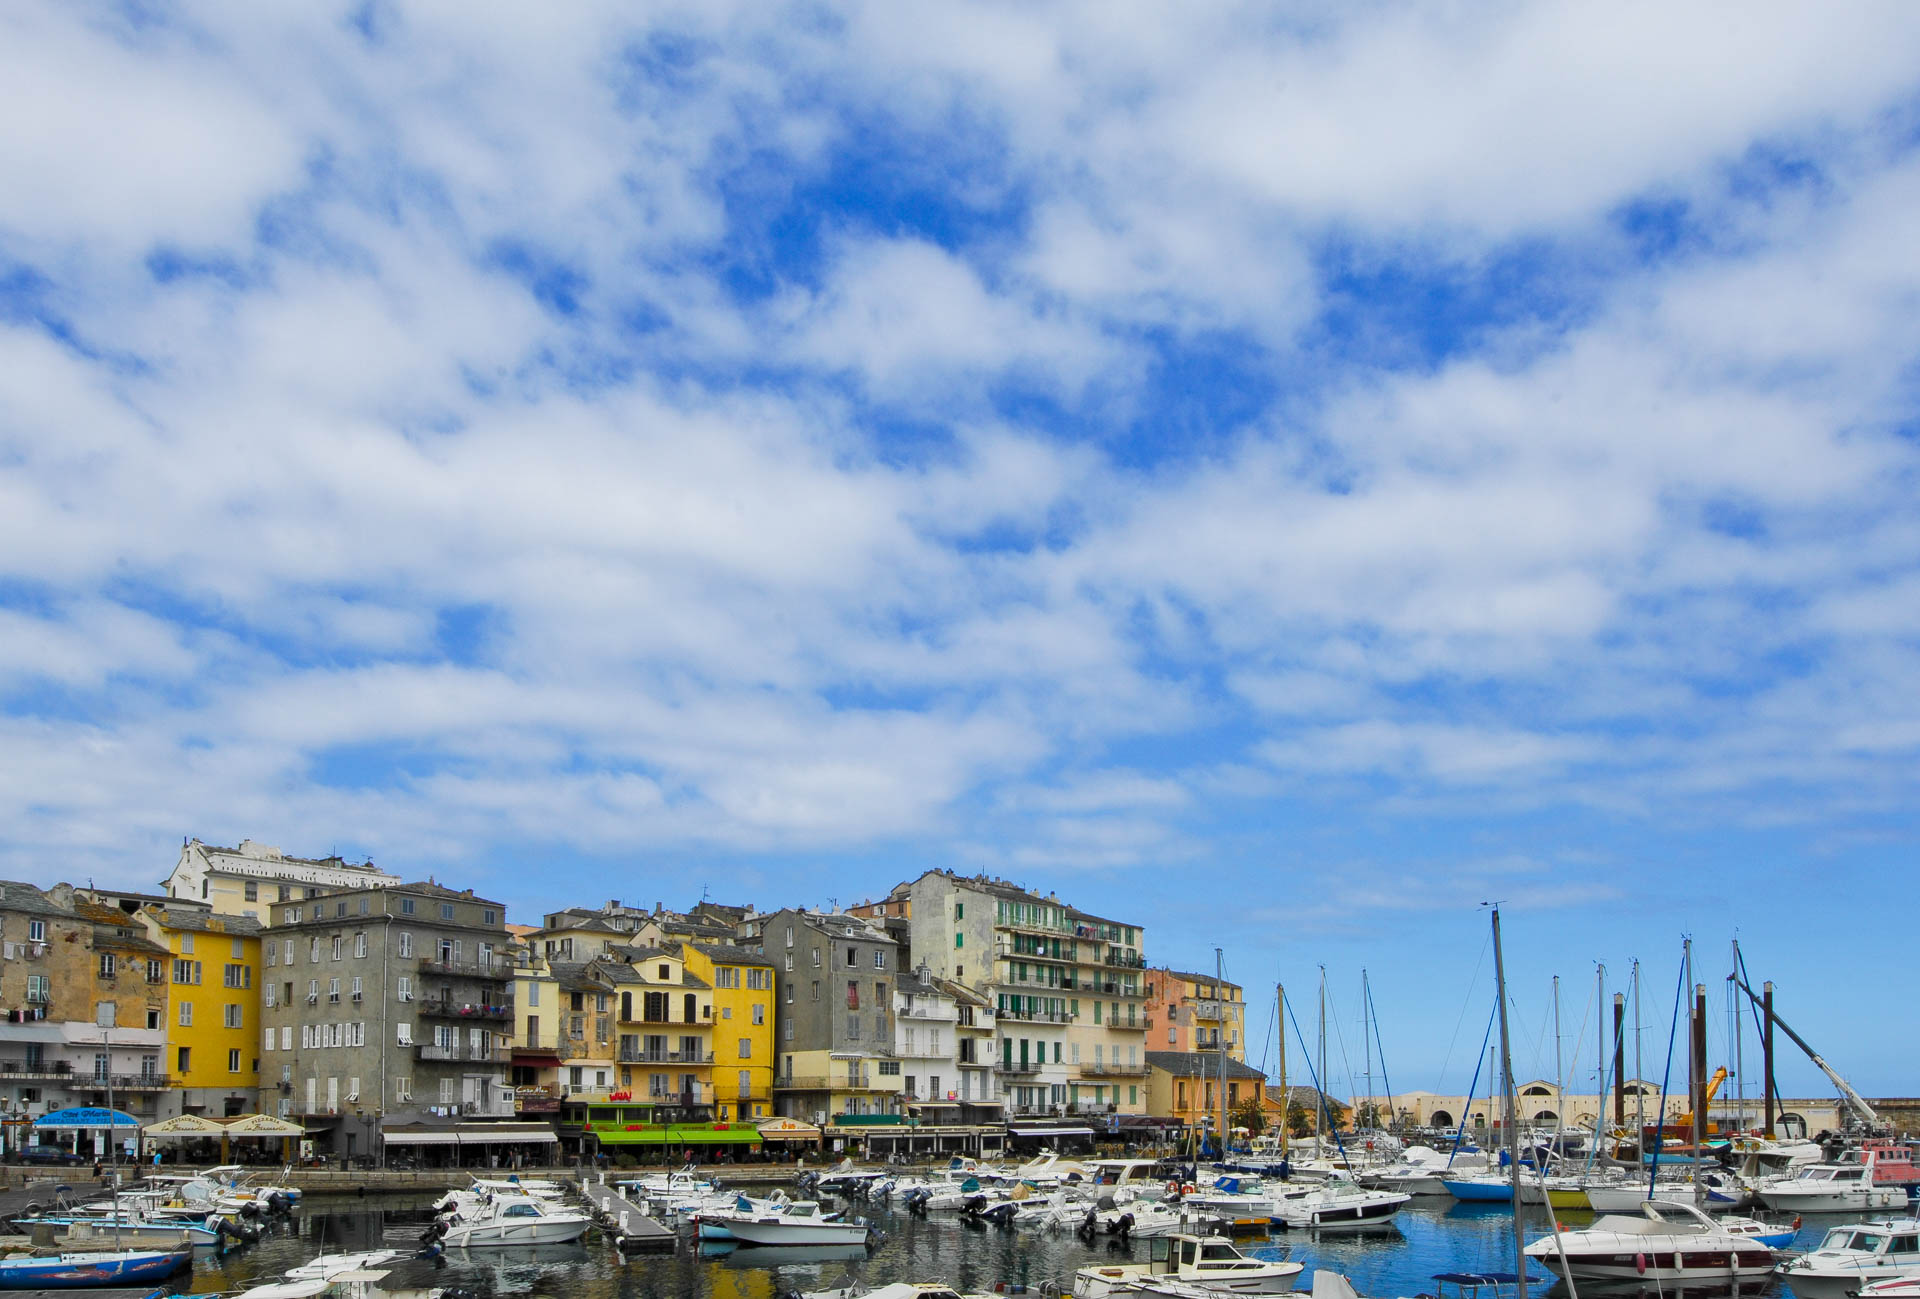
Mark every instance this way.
x=1284 y=476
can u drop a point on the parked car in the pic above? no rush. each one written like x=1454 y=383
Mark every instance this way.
x=51 y=1155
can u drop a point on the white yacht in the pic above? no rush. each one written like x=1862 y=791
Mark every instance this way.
x=1664 y=1243
x=797 y=1223
x=1845 y=1187
x=1856 y=1256
x=515 y=1220
x=1336 y=1205
x=1210 y=1262
x=1243 y=1203
x=328 y=1266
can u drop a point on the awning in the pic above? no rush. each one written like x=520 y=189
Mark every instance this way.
x=87 y=1116
x=521 y=1134
x=788 y=1130
x=536 y=1056
x=262 y=1125
x=419 y=1137
x=186 y=1125
x=1049 y=1132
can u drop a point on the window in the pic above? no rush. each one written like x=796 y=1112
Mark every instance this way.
x=406 y=943
x=406 y=906
x=959 y=940
x=533 y=994
x=746 y=1048
x=486 y=915
x=313 y=948
x=273 y=953
x=237 y=976
x=267 y=1039
x=403 y=988
x=185 y=1059
x=357 y=992
x=789 y=962
x=37 y=931
x=816 y=958
x=186 y=1014
x=340 y=907
x=446 y=910
x=106 y=965
x=759 y=1012
x=233 y=1060
x=187 y=972
x=288 y=960
x=959 y=911
x=333 y=989
x=338 y=943
x=39 y=987
x=786 y=1030
x=816 y=989
x=360 y=944
x=231 y=1013
x=789 y=994
x=879 y=959
x=186 y=944
x=404 y=1033
x=889 y=1068
x=285 y=893
x=853 y=994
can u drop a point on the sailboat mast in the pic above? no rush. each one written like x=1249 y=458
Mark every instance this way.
x=1286 y=1096
x=1512 y=1106
x=1220 y=991
x=1639 y=1091
x=1559 y=1069
x=1322 y=1117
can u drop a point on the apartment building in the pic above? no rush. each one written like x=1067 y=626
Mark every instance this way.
x=1194 y=1012
x=662 y=1014
x=1066 y=987
x=835 y=1023
x=1107 y=1040
x=563 y=1038
x=383 y=1002
x=213 y=1027
x=248 y=879
x=1185 y=1085
x=742 y=982
x=943 y=1036
x=84 y=993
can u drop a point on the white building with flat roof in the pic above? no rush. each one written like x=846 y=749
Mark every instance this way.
x=248 y=879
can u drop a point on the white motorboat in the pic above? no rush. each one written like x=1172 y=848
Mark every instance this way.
x=798 y=1223
x=1241 y=1202
x=711 y=1224
x=1419 y=1172
x=1665 y=1242
x=1846 y=1187
x=1336 y=1205
x=1210 y=1262
x=895 y=1290
x=514 y=1220
x=1147 y=1219
x=1853 y=1257
x=1899 y=1287
x=331 y=1265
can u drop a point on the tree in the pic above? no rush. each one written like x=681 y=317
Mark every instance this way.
x=1370 y=1116
x=1247 y=1115
x=1299 y=1119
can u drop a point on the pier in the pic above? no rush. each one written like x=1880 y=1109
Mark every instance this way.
x=630 y=1226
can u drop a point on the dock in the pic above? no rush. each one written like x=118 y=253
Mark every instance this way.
x=631 y=1227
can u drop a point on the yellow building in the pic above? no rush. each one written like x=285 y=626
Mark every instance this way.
x=1185 y=1085
x=212 y=1021
x=664 y=1016
x=742 y=983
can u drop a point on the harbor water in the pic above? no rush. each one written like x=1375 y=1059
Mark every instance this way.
x=1426 y=1238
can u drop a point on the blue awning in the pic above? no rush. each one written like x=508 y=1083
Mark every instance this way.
x=87 y=1116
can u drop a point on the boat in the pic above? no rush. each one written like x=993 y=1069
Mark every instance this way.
x=1210 y=1262
x=82 y=1269
x=1853 y=1257
x=1484 y=1188
x=1146 y=1219
x=1900 y=1287
x=327 y=1266
x=1847 y=1186
x=894 y=1290
x=514 y=1220
x=768 y=1256
x=1419 y=1171
x=1665 y=1242
x=1336 y=1205
x=711 y=1225
x=797 y=1223
x=1241 y=1203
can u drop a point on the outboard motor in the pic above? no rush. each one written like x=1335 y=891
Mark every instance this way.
x=433 y=1251
x=1089 y=1225
x=1124 y=1228
x=280 y=1203
x=974 y=1205
x=1003 y=1214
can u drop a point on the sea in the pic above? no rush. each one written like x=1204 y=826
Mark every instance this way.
x=1428 y=1238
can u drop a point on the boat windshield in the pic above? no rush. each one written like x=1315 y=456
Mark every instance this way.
x=1219 y=1251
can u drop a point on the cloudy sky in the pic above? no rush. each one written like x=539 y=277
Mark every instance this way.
x=1282 y=474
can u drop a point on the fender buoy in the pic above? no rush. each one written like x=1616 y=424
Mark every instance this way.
x=1640 y=1264
x=1187 y=1189
x=1796 y=1222
x=1173 y=1187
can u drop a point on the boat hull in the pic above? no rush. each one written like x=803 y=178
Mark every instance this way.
x=1703 y=1267
x=1849 y=1201
x=802 y=1232
x=91 y=1270
x=1481 y=1192
x=531 y=1231
x=1099 y=1282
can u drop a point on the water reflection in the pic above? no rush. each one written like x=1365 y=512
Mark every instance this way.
x=1431 y=1237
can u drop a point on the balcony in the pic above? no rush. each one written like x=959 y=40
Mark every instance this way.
x=1125 y=961
x=496 y=971
x=454 y=1008
x=1007 y=951
x=1113 y=1069
x=1029 y=1016
x=1103 y=989
x=864 y=1081
x=434 y=1052
x=1065 y=929
x=1019 y=1068
x=634 y=1055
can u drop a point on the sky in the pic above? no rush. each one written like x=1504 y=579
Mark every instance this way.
x=1284 y=475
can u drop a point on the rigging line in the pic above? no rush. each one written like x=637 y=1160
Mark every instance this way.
x=1333 y=1017
x=1446 y=1061
x=1322 y=1100
x=1579 y=1040
x=1473 y=1086
x=1660 y=1134
x=1385 y=1082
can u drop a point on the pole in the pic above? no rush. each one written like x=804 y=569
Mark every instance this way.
x=1766 y=1052
x=1367 y=1044
x=1220 y=991
x=113 y=1150
x=1512 y=1106
x=1286 y=1097
x=1321 y=1117
x=1639 y=1089
x=1699 y=1068
x=1619 y=1060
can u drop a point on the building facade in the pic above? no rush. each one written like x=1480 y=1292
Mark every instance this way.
x=248 y=879
x=1185 y=1085
x=742 y=981
x=663 y=1016
x=1195 y=1012
x=1107 y=1040
x=382 y=1004
x=214 y=1032
x=835 y=1026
